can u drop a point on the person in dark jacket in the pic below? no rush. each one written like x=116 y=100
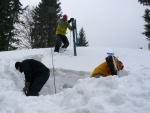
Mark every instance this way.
x=36 y=75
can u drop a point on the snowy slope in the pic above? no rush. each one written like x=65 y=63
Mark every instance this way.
x=128 y=94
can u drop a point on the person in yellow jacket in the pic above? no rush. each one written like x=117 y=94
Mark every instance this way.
x=61 y=29
x=104 y=69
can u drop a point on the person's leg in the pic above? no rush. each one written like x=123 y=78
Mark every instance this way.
x=58 y=43
x=65 y=42
x=38 y=84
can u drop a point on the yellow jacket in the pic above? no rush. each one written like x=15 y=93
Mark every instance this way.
x=101 y=69
x=104 y=69
x=62 y=27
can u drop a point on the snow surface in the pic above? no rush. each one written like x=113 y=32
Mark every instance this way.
x=129 y=93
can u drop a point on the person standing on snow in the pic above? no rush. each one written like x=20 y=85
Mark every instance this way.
x=36 y=75
x=107 y=68
x=61 y=29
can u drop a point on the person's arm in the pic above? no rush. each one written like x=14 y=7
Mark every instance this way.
x=28 y=73
x=27 y=69
x=68 y=25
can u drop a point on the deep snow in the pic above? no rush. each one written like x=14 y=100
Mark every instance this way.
x=128 y=94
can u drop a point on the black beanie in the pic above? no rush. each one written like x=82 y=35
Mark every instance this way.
x=17 y=64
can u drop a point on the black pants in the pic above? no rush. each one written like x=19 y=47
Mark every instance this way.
x=59 y=40
x=37 y=83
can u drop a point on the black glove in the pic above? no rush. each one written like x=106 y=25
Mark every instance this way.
x=26 y=88
x=71 y=19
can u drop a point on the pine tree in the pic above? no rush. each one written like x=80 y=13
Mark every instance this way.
x=149 y=46
x=45 y=21
x=81 y=41
x=146 y=19
x=9 y=13
x=144 y=2
x=147 y=25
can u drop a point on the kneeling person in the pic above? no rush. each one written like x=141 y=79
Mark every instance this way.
x=107 y=68
x=36 y=75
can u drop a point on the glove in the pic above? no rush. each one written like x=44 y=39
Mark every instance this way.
x=26 y=88
x=71 y=19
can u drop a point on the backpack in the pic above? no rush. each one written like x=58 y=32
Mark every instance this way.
x=109 y=60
